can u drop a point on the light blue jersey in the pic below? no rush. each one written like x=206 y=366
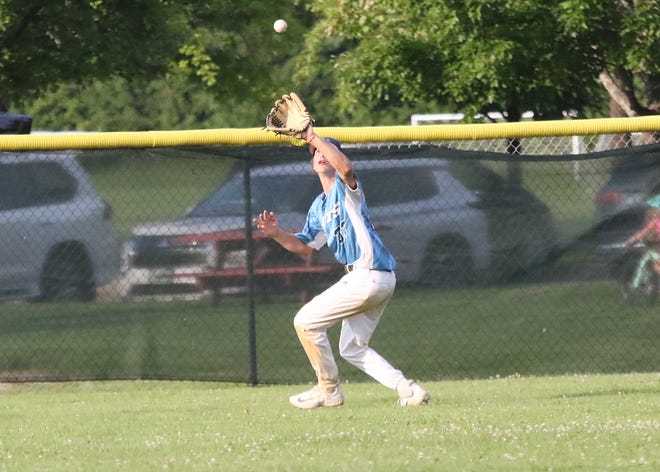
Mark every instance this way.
x=341 y=220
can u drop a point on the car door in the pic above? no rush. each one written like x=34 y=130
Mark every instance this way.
x=17 y=229
x=34 y=216
x=411 y=205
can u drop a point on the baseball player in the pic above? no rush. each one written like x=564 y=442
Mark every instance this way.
x=339 y=218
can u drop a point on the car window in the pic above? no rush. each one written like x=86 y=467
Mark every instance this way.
x=14 y=186
x=475 y=177
x=635 y=164
x=285 y=193
x=227 y=200
x=282 y=193
x=634 y=218
x=34 y=184
x=395 y=186
x=51 y=184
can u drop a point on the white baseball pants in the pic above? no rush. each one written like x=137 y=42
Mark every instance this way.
x=358 y=300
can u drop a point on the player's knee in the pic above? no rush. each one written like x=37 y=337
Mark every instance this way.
x=351 y=351
x=299 y=320
x=346 y=354
x=300 y=328
x=350 y=356
x=301 y=323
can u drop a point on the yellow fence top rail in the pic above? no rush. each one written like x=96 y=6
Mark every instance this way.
x=390 y=134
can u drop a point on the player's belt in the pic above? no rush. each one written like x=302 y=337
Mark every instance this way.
x=351 y=267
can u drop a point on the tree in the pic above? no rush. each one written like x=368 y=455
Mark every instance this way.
x=117 y=104
x=222 y=66
x=47 y=43
x=625 y=40
x=508 y=56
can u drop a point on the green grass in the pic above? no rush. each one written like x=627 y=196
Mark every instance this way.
x=601 y=422
x=542 y=329
x=488 y=356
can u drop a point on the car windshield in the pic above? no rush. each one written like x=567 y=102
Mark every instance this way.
x=295 y=192
x=475 y=176
x=391 y=187
x=282 y=193
x=635 y=164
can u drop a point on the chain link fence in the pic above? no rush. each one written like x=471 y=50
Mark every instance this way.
x=144 y=264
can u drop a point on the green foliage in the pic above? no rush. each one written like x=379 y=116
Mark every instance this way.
x=219 y=64
x=46 y=43
x=231 y=46
x=191 y=65
x=116 y=104
x=627 y=34
x=624 y=38
x=477 y=56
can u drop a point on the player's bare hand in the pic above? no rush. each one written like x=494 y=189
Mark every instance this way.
x=308 y=134
x=267 y=223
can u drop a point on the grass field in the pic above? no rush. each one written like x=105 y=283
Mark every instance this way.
x=489 y=355
x=540 y=329
x=588 y=423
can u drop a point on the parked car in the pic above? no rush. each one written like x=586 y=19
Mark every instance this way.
x=446 y=222
x=599 y=253
x=633 y=178
x=15 y=123
x=56 y=240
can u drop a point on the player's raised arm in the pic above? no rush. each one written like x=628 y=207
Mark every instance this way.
x=335 y=157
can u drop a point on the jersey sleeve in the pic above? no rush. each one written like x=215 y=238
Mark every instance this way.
x=312 y=233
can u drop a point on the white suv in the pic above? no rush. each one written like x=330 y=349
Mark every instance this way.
x=56 y=240
x=447 y=222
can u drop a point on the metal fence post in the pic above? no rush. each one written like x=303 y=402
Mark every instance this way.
x=254 y=379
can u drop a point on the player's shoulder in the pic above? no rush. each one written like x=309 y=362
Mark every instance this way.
x=317 y=202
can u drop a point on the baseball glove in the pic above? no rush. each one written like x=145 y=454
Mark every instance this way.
x=289 y=116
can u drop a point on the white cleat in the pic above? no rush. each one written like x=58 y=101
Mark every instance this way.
x=411 y=394
x=315 y=397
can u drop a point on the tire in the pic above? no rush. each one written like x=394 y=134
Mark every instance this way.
x=447 y=263
x=647 y=291
x=654 y=287
x=624 y=268
x=68 y=276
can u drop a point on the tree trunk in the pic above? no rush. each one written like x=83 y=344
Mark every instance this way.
x=652 y=93
x=620 y=87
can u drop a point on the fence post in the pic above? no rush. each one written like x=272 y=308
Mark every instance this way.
x=254 y=379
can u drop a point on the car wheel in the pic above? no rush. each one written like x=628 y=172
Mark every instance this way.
x=68 y=276
x=448 y=262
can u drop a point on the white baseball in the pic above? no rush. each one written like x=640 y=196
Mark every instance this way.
x=280 y=26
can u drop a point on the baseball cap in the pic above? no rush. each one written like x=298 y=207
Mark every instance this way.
x=654 y=202
x=332 y=141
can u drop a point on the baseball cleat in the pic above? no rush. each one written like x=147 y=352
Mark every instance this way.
x=411 y=394
x=315 y=397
